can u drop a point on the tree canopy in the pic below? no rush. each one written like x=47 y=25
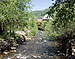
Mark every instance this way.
x=63 y=23
x=14 y=15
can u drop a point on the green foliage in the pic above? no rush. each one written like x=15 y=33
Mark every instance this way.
x=39 y=14
x=63 y=21
x=33 y=26
x=14 y=15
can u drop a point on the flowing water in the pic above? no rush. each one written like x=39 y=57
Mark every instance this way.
x=35 y=49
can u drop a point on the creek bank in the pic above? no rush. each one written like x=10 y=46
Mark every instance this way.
x=5 y=45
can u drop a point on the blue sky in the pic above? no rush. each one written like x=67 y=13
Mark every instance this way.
x=41 y=4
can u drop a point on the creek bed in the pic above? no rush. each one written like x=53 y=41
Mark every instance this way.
x=35 y=49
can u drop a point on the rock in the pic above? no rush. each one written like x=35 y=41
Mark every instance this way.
x=73 y=53
x=20 y=33
x=51 y=57
x=20 y=40
x=24 y=57
x=21 y=57
x=61 y=54
x=14 y=44
x=57 y=52
x=52 y=54
x=37 y=56
x=12 y=51
x=12 y=38
x=31 y=57
x=18 y=56
x=34 y=57
x=27 y=38
x=45 y=40
x=13 y=48
x=3 y=43
x=5 y=52
x=9 y=58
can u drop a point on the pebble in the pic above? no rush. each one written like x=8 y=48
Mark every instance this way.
x=13 y=47
x=45 y=40
x=37 y=56
x=5 y=52
x=9 y=58
x=18 y=56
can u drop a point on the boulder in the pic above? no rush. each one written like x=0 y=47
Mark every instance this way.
x=5 y=52
x=20 y=40
x=4 y=46
x=20 y=33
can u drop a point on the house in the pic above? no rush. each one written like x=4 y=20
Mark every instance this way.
x=39 y=22
x=47 y=17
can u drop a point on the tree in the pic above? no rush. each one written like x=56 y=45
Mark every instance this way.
x=13 y=15
x=62 y=27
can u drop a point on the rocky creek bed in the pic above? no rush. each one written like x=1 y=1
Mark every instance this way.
x=35 y=49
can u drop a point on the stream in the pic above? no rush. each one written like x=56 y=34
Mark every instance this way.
x=35 y=49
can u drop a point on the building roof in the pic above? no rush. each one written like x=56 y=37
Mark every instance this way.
x=46 y=17
x=39 y=20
